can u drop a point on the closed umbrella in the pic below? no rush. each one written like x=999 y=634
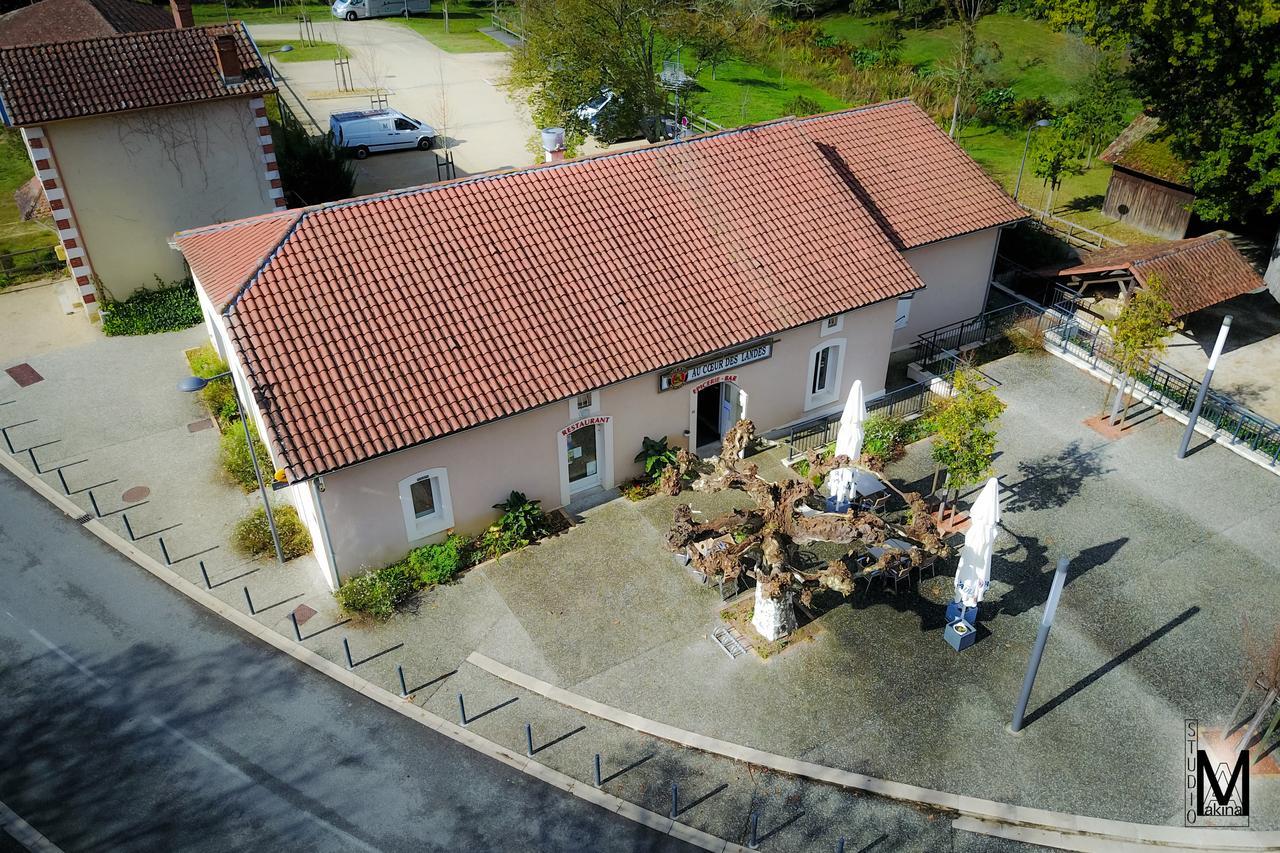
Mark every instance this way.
x=848 y=443
x=973 y=575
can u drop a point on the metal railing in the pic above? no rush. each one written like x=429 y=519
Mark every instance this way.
x=908 y=402
x=508 y=26
x=943 y=345
x=1169 y=387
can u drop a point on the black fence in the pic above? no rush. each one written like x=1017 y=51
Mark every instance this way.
x=941 y=346
x=908 y=402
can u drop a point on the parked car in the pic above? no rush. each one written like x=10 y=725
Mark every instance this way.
x=361 y=133
x=352 y=9
x=595 y=110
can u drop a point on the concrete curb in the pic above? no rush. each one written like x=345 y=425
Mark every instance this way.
x=1081 y=832
x=582 y=790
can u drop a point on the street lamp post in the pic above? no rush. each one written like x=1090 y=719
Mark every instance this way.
x=1044 y=122
x=195 y=383
x=284 y=48
x=1204 y=386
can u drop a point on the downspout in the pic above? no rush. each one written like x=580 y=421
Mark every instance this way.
x=317 y=487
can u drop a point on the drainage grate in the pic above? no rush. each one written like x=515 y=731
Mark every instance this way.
x=728 y=642
x=84 y=519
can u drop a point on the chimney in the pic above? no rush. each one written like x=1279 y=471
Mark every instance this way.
x=228 y=59
x=553 y=143
x=182 y=17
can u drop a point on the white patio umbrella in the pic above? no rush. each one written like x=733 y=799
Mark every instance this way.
x=848 y=443
x=973 y=575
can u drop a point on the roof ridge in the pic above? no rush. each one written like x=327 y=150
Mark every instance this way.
x=1186 y=245
x=137 y=35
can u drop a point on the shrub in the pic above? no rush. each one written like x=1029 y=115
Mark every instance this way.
x=438 y=563
x=802 y=105
x=639 y=488
x=1026 y=336
x=236 y=461
x=220 y=399
x=522 y=519
x=378 y=592
x=884 y=439
x=656 y=456
x=312 y=169
x=252 y=534
x=204 y=362
x=167 y=308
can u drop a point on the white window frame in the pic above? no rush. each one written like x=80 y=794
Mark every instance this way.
x=576 y=413
x=903 y=309
x=826 y=327
x=835 y=370
x=428 y=525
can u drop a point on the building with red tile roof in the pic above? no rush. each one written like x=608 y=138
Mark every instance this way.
x=1195 y=273
x=1149 y=187
x=400 y=347
x=136 y=135
x=69 y=20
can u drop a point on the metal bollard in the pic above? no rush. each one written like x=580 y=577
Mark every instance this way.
x=62 y=479
x=293 y=617
x=128 y=528
x=462 y=710
x=528 y=737
x=598 y=782
x=346 y=647
x=164 y=551
x=675 y=800
x=755 y=827
x=404 y=688
x=205 y=574
x=97 y=512
x=249 y=601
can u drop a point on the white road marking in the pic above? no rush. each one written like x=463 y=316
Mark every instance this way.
x=350 y=840
x=24 y=833
x=53 y=647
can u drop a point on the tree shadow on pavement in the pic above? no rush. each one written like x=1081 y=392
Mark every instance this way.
x=1053 y=480
x=68 y=739
x=1032 y=576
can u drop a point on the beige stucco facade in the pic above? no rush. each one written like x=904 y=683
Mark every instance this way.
x=956 y=274
x=133 y=179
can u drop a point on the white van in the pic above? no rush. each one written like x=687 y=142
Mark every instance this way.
x=361 y=133
x=352 y=9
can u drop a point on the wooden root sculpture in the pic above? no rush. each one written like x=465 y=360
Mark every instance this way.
x=764 y=539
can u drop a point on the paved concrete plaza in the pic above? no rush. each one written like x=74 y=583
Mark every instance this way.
x=1167 y=557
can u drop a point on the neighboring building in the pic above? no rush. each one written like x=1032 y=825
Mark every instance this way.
x=71 y=20
x=1149 y=188
x=135 y=136
x=416 y=355
x=1195 y=273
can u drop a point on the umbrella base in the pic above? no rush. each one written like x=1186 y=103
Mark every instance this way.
x=960 y=635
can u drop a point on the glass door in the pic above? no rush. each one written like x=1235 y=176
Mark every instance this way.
x=583 y=458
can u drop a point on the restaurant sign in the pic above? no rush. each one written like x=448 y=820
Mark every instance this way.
x=731 y=361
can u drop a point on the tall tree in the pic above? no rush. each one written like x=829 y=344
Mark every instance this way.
x=1057 y=155
x=1210 y=71
x=1102 y=107
x=573 y=49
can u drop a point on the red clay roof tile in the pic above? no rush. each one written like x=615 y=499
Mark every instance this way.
x=384 y=322
x=1196 y=273
x=131 y=71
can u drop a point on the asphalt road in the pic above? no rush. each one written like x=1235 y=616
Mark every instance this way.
x=133 y=719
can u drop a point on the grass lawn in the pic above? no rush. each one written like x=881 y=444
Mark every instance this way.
x=744 y=93
x=15 y=170
x=1035 y=60
x=215 y=13
x=465 y=21
x=321 y=50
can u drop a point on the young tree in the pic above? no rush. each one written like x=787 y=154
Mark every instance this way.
x=965 y=437
x=312 y=169
x=1056 y=155
x=967 y=13
x=1102 y=107
x=1138 y=335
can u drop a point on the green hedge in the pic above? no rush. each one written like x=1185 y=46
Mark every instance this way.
x=236 y=461
x=166 y=308
x=379 y=592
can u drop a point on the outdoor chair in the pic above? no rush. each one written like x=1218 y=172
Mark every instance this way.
x=897 y=573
